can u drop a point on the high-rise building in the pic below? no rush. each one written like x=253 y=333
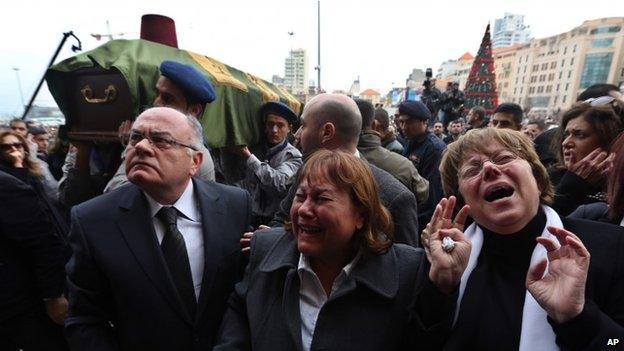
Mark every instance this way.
x=296 y=72
x=510 y=30
x=551 y=72
x=354 y=91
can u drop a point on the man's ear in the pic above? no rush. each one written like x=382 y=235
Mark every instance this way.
x=376 y=126
x=196 y=161
x=328 y=132
x=195 y=110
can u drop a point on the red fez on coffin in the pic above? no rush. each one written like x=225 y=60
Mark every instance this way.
x=159 y=29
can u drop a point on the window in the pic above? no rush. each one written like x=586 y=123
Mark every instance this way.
x=555 y=100
x=560 y=75
x=571 y=61
x=544 y=66
x=562 y=62
x=553 y=65
x=567 y=86
x=533 y=79
x=521 y=89
x=515 y=91
x=525 y=67
x=610 y=29
x=573 y=50
x=557 y=87
x=596 y=69
x=569 y=74
x=598 y=43
x=548 y=88
x=565 y=50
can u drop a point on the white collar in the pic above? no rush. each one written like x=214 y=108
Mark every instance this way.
x=185 y=204
x=304 y=264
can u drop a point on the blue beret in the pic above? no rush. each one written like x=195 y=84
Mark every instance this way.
x=415 y=109
x=189 y=79
x=280 y=109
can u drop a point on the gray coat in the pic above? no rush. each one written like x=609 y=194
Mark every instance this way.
x=386 y=303
x=268 y=182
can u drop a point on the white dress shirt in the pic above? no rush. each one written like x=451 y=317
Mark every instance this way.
x=312 y=296
x=190 y=225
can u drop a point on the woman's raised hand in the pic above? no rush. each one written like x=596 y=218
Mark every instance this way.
x=447 y=266
x=560 y=290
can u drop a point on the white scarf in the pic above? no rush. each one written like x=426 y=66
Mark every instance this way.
x=536 y=334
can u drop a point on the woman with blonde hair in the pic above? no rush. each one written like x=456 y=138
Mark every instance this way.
x=534 y=280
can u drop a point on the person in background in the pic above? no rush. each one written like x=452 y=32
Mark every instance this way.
x=424 y=149
x=584 y=138
x=438 y=130
x=533 y=128
x=386 y=131
x=476 y=118
x=41 y=137
x=455 y=130
x=332 y=279
x=535 y=280
x=268 y=181
x=507 y=115
x=611 y=211
x=32 y=276
x=333 y=122
x=400 y=167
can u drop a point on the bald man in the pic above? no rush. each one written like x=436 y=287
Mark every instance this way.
x=334 y=122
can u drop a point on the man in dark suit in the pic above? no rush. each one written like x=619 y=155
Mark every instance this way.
x=154 y=261
x=334 y=122
x=31 y=272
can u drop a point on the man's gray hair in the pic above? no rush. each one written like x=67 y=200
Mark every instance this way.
x=197 y=135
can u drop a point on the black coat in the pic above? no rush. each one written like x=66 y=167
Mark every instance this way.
x=386 y=303
x=603 y=316
x=31 y=253
x=121 y=295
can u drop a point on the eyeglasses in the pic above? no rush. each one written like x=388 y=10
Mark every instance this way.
x=160 y=141
x=600 y=101
x=473 y=168
x=9 y=146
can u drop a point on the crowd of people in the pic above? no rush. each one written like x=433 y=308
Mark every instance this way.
x=347 y=229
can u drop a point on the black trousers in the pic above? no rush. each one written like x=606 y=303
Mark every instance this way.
x=32 y=330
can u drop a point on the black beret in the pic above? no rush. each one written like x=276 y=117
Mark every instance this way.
x=280 y=109
x=189 y=79
x=415 y=109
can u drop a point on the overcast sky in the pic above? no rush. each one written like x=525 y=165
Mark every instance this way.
x=379 y=41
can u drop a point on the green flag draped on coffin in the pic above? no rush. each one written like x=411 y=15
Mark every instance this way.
x=232 y=119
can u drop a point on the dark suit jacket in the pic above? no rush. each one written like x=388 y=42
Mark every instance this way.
x=386 y=303
x=399 y=200
x=121 y=295
x=603 y=316
x=31 y=261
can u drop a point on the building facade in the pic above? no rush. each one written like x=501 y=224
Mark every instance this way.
x=510 y=30
x=551 y=72
x=296 y=72
x=548 y=74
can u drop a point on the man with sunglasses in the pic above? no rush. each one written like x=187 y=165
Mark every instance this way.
x=155 y=261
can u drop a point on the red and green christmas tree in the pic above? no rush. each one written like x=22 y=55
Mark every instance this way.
x=481 y=85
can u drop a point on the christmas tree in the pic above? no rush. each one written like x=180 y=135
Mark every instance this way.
x=481 y=85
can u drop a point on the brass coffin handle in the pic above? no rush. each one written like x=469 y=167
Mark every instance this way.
x=110 y=93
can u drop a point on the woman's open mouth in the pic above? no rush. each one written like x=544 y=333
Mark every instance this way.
x=499 y=192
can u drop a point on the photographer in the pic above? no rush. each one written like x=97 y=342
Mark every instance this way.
x=432 y=97
x=453 y=103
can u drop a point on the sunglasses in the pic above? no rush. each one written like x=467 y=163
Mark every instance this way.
x=9 y=146
x=600 y=101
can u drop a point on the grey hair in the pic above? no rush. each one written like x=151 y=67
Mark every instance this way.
x=197 y=135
